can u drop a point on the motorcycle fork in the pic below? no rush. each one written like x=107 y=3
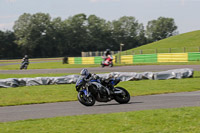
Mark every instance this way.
x=86 y=92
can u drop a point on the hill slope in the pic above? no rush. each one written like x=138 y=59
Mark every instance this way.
x=187 y=42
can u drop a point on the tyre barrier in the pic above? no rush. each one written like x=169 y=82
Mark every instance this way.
x=124 y=76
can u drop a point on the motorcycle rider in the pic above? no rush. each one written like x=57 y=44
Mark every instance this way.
x=84 y=72
x=107 y=53
x=25 y=61
x=88 y=76
x=107 y=57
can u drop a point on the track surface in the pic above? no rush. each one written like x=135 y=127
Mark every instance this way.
x=138 y=68
x=172 y=100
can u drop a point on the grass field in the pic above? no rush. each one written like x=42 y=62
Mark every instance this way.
x=183 y=120
x=178 y=120
x=47 y=65
x=55 y=65
x=187 y=42
x=66 y=92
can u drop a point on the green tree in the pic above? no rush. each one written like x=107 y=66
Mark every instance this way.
x=32 y=32
x=129 y=31
x=61 y=32
x=8 y=47
x=99 y=34
x=77 y=39
x=160 y=29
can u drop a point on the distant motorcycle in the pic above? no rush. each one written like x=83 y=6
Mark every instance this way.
x=92 y=90
x=24 y=65
x=108 y=61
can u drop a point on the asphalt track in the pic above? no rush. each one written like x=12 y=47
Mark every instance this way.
x=172 y=100
x=136 y=68
x=35 y=111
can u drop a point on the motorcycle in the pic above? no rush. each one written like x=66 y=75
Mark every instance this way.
x=107 y=61
x=92 y=90
x=24 y=65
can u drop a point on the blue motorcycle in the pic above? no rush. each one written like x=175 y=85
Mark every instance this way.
x=92 y=90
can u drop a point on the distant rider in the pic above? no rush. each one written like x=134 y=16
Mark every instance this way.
x=107 y=53
x=25 y=62
x=107 y=56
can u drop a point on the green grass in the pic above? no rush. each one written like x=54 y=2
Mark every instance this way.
x=190 y=40
x=66 y=92
x=37 y=94
x=47 y=65
x=178 y=120
x=4 y=76
x=56 y=65
x=162 y=63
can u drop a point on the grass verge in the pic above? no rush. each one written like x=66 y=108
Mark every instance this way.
x=66 y=92
x=56 y=65
x=47 y=65
x=183 y=120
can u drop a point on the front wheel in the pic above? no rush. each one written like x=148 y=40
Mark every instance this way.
x=111 y=64
x=102 y=64
x=86 y=100
x=123 y=97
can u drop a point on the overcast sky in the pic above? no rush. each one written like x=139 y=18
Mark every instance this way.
x=185 y=12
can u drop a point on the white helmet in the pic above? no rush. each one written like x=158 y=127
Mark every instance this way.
x=84 y=72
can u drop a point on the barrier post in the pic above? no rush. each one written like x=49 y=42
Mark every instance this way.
x=140 y=51
x=132 y=52
x=169 y=50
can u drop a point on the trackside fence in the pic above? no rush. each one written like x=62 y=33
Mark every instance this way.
x=143 y=58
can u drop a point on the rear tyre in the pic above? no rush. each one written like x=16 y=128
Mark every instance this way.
x=111 y=64
x=22 y=67
x=86 y=100
x=25 y=67
x=123 y=97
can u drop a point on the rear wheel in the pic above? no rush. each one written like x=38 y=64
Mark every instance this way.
x=86 y=100
x=123 y=97
x=111 y=64
x=25 y=67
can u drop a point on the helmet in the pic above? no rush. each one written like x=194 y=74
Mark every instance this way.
x=107 y=50
x=84 y=72
x=26 y=56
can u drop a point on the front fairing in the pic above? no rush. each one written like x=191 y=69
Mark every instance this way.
x=80 y=81
x=114 y=81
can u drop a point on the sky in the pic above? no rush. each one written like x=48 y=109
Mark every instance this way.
x=184 y=12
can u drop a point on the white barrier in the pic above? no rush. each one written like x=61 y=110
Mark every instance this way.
x=124 y=76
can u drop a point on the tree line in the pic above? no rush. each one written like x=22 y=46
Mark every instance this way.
x=39 y=35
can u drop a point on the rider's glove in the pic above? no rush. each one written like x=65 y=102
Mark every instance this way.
x=77 y=88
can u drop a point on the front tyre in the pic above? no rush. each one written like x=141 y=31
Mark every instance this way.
x=86 y=100
x=111 y=64
x=102 y=64
x=123 y=97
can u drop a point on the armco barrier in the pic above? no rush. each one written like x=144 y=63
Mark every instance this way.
x=87 y=60
x=193 y=56
x=145 y=58
x=71 y=60
x=173 y=57
x=127 y=59
x=77 y=60
x=98 y=60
